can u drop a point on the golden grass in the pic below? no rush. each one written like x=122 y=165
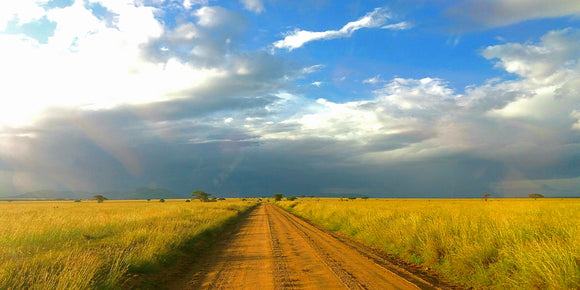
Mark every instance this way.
x=68 y=245
x=502 y=243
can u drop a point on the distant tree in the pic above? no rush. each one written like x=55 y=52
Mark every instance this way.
x=148 y=200
x=352 y=197
x=187 y=200
x=485 y=196
x=535 y=195
x=162 y=200
x=202 y=196
x=291 y=198
x=213 y=199
x=99 y=198
x=365 y=197
x=77 y=200
x=278 y=196
x=221 y=198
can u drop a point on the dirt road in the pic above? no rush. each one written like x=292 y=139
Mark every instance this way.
x=273 y=249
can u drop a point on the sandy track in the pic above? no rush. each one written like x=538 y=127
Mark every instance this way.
x=273 y=249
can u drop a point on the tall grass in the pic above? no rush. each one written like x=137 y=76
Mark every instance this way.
x=502 y=243
x=56 y=245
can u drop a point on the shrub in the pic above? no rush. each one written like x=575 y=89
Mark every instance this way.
x=278 y=197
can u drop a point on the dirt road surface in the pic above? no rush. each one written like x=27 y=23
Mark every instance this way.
x=273 y=249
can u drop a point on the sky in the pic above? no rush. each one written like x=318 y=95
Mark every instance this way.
x=403 y=98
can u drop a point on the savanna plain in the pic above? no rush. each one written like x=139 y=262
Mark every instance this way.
x=71 y=245
x=500 y=243
x=468 y=243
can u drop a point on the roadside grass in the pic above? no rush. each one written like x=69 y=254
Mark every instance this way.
x=56 y=245
x=501 y=243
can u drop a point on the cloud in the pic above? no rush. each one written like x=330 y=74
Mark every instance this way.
x=537 y=61
x=526 y=125
x=398 y=26
x=256 y=6
x=216 y=33
x=312 y=69
x=298 y=38
x=374 y=80
x=186 y=107
x=473 y=14
x=575 y=115
x=22 y=11
x=549 y=75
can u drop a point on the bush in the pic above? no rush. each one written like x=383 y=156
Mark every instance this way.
x=278 y=197
x=187 y=200
x=291 y=198
x=162 y=200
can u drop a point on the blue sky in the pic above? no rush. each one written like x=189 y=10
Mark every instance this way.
x=385 y=98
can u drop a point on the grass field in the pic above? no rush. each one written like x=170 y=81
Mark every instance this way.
x=68 y=245
x=501 y=243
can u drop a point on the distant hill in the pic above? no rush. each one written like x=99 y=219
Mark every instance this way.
x=139 y=193
x=52 y=194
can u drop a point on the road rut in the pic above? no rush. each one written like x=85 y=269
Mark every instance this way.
x=273 y=249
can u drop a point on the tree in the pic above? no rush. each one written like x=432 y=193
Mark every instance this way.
x=485 y=196
x=291 y=198
x=535 y=195
x=162 y=200
x=99 y=198
x=202 y=196
x=278 y=196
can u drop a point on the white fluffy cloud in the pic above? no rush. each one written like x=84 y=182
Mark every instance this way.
x=298 y=38
x=25 y=11
x=549 y=71
x=87 y=64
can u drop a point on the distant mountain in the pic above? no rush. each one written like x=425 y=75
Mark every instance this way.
x=139 y=193
x=52 y=194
